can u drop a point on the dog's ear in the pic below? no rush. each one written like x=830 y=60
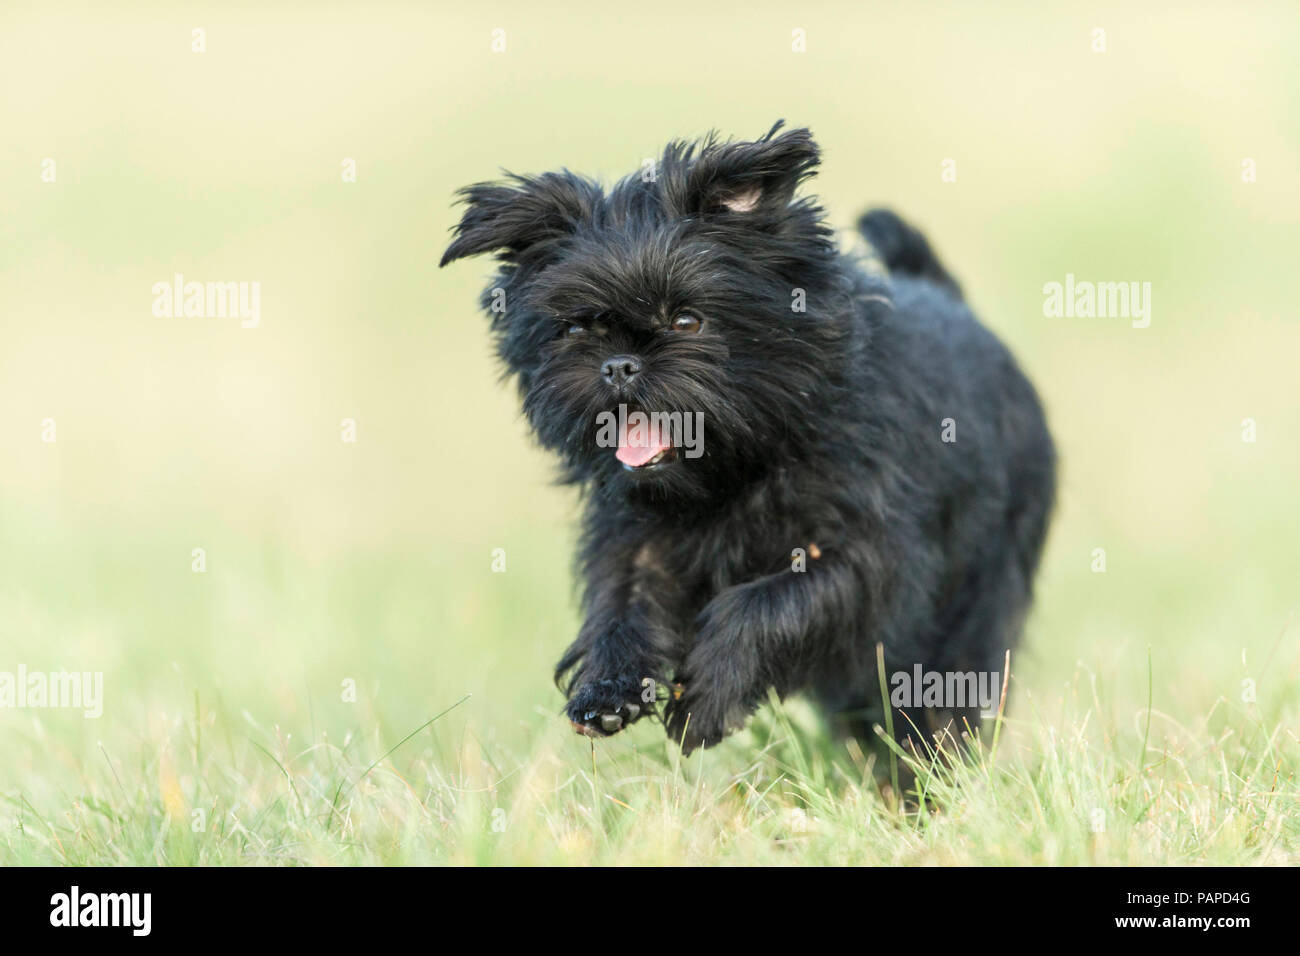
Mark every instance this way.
x=521 y=216
x=740 y=178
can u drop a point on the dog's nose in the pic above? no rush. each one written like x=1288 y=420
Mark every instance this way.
x=621 y=369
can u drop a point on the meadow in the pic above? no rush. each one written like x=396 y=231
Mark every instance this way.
x=307 y=656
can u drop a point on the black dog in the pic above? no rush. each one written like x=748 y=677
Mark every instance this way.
x=875 y=469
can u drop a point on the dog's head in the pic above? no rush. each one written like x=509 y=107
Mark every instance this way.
x=701 y=293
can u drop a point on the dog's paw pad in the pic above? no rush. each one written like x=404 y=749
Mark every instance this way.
x=601 y=708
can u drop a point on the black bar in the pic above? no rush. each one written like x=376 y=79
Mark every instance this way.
x=332 y=905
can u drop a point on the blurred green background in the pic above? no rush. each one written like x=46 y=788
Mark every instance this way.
x=329 y=561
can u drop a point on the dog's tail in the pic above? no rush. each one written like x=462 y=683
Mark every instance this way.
x=904 y=249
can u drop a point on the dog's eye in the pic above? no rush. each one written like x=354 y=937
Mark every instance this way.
x=686 y=323
x=588 y=326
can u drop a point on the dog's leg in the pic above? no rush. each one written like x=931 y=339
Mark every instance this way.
x=628 y=647
x=757 y=635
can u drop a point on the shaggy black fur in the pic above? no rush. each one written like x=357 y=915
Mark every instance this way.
x=823 y=432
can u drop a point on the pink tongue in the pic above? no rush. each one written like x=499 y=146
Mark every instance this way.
x=640 y=446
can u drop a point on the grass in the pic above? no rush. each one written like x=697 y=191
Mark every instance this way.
x=216 y=788
x=394 y=707
x=279 y=711
x=209 y=760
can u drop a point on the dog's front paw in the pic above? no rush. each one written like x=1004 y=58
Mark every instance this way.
x=719 y=689
x=695 y=719
x=600 y=708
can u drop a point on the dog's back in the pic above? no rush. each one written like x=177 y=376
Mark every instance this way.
x=980 y=487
